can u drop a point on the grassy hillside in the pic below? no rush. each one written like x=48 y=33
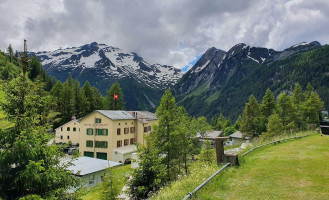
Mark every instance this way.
x=296 y=169
x=3 y=122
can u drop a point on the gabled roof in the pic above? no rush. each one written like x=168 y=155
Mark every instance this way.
x=86 y=165
x=237 y=134
x=122 y=114
x=210 y=134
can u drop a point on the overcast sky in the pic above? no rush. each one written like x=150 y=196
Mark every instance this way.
x=174 y=32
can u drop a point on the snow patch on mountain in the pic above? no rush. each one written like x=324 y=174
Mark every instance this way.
x=109 y=62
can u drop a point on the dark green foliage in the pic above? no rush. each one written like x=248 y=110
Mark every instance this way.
x=115 y=104
x=286 y=109
x=220 y=123
x=282 y=75
x=27 y=164
x=251 y=117
x=229 y=130
x=150 y=174
x=110 y=189
x=268 y=105
x=274 y=126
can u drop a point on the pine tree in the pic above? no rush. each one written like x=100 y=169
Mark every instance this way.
x=311 y=108
x=113 y=103
x=80 y=100
x=150 y=174
x=10 y=52
x=35 y=68
x=165 y=132
x=298 y=98
x=27 y=164
x=109 y=188
x=99 y=100
x=89 y=93
x=286 y=109
x=268 y=104
x=251 y=114
x=274 y=126
x=67 y=100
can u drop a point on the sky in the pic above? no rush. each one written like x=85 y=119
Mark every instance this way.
x=172 y=32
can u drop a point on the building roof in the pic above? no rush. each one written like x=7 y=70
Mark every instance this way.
x=122 y=114
x=86 y=165
x=125 y=149
x=211 y=134
x=237 y=134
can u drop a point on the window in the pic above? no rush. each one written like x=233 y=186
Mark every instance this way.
x=68 y=129
x=74 y=129
x=149 y=128
x=119 y=143
x=61 y=137
x=126 y=130
x=132 y=141
x=126 y=123
x=126 y=142
x=90 y=131
x=145 y=129
x=119 y=124
x=132 y=123
x=68 y=137
x=102 y=131
x=89 y=143
x=118 y=131
x=61 y=128
x=132 y=129
x=101 y=144
x=98 y=120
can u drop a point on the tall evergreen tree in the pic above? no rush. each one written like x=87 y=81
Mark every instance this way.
x=274 y=126
x=115 y=99
x=89 y=93
x=298 y=98
x=27 y=164
x=99 y=99
x=286 y=109
x=166 y=131
x=311 y=108
x=35 y=68
x=80 y=100
x=10 y=52
x=251 y=115
x=67 y=100
x=268 y=104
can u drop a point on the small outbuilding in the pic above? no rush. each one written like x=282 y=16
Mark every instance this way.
x=236 y=138
x=124 y=154
x=210 y=135
x=90 y=170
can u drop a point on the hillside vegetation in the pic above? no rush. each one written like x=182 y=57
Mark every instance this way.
x=253 y=78
x=293 y=170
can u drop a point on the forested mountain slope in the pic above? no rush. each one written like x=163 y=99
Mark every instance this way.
x=229 y=79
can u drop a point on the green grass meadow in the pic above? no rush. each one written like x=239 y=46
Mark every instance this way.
x=296 y=169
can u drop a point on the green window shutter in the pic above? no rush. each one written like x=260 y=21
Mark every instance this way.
x=92 y=144
x=87 y=131
x=106 y=131
x=100 y=120
x=105 y=144
x=100 y=131
x=87 y=143
x=92 y=131
x=99 y=144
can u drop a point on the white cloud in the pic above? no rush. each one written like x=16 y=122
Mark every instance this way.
x=154 y=29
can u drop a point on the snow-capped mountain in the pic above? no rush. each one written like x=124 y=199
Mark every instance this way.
x=216 y=67
x=221 y=82
x=107 y=62
x=142 y=83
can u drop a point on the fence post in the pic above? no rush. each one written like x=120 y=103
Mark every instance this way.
x=220 y=149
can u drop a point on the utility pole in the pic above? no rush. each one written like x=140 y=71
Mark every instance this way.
x=25 y=60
